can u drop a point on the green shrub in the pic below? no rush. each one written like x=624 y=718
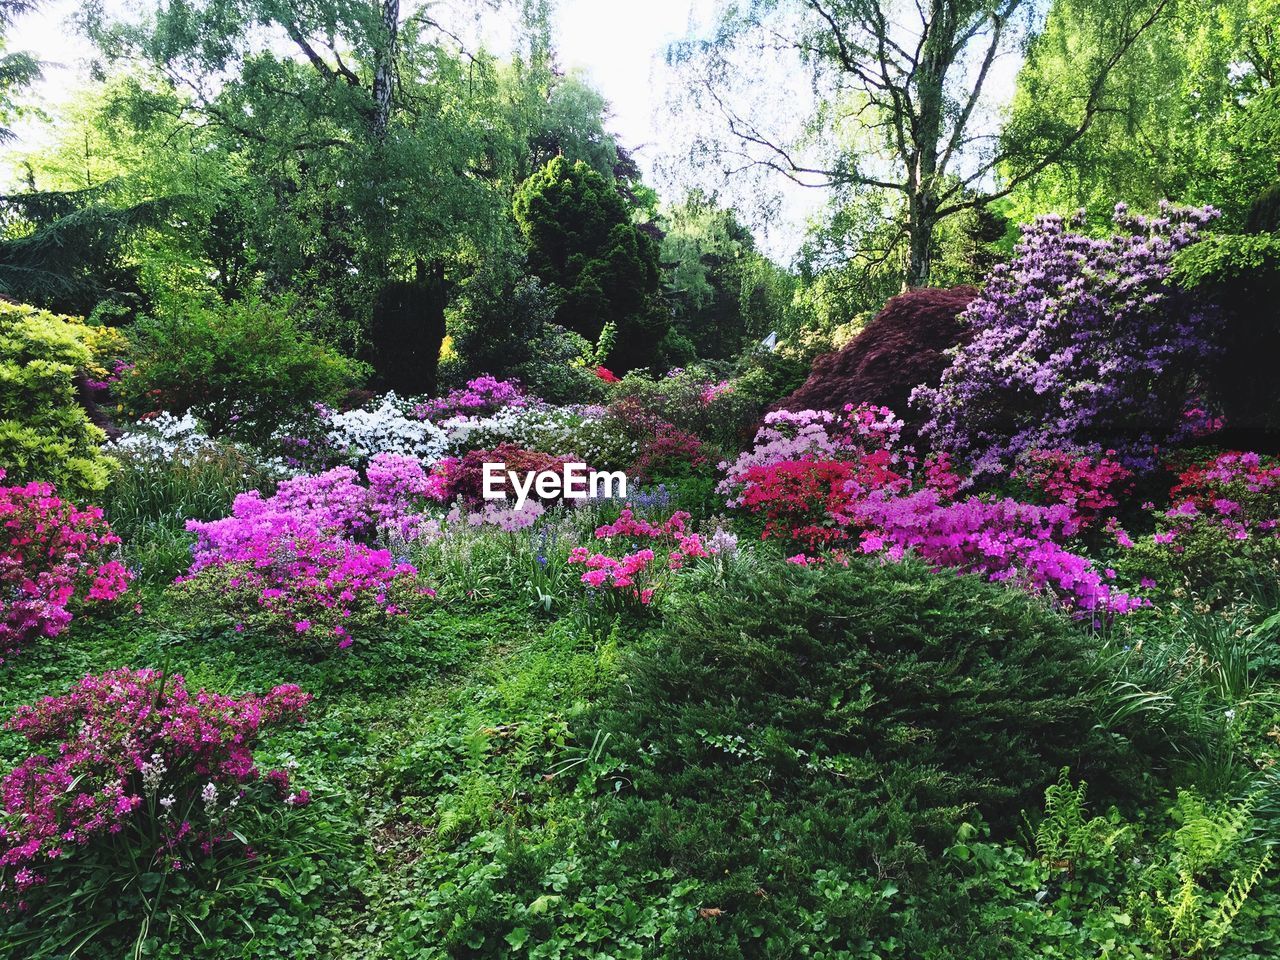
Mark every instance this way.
x=244 y=367
x=779 y=765
x=45 y=434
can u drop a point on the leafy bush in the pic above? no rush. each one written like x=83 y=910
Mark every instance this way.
x=800 y=743
x=698 y=400
x=45 y=433
x=1077 y=343
x=54 y=557
x=244 y=367
x=902 y=348
x=135 y=786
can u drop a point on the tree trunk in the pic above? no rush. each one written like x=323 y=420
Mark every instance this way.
x=384 y=70
x=937 y=56
x=921 y=221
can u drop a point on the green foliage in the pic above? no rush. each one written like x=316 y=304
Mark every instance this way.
x=45 y=434
x=1189 y=114
x=1173 y=885
x=581 y=241
x=244 y=368
x=784 y=752
x=724 y=292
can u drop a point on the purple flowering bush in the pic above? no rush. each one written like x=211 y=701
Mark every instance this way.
x=1078 y=343
x=303 y=564
x=132 y=775
x=480 y=397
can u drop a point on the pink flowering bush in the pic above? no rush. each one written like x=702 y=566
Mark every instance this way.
x=1090 y=486
x=302 y=564
x=480 y=397
x=626 y=576
x=1239 y=492
x=1218 y=539
x=55 y=557
x=132 y=774
x=819 y=482
x=1004 y=540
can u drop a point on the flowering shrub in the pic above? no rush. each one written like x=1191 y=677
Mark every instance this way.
x=1089 y=486
x=662 y=448
x=1239 y=492
x=1003 y=539
x=1219 y=539
x=328 y=437
x=465 y=477
x=631 y=580
x=301 y=564
x=481 y=396
x=307 y=589
x=1077 y=343
x=54 y=556
x=807 y=501
x=134 y=773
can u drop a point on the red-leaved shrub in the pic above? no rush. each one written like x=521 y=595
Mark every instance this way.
x=904 y=346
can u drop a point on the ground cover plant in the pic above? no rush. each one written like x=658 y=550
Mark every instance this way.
x=937 y=615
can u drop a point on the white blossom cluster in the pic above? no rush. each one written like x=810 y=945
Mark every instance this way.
x=387 y=427
x=163 y=437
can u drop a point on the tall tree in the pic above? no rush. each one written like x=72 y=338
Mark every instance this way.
x=1194 y=112
x=369 y=145
x=902 y=97
x=582 y=241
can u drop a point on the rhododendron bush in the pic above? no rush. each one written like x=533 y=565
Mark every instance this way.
x=1076 y=343
x=133 y=772
x=55 y=557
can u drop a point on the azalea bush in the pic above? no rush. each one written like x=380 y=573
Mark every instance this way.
x=135 y=785
x=1091 y=486
x=633 y=556
x=1218 y=540
x=303 y=564
x=55 y=558
x=1004 y=540
x=1077 y=343
x=465 y=477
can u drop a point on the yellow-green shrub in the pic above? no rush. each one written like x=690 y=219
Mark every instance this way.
x=45 y=433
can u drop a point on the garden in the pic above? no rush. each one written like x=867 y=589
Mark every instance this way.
x=938 y=613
